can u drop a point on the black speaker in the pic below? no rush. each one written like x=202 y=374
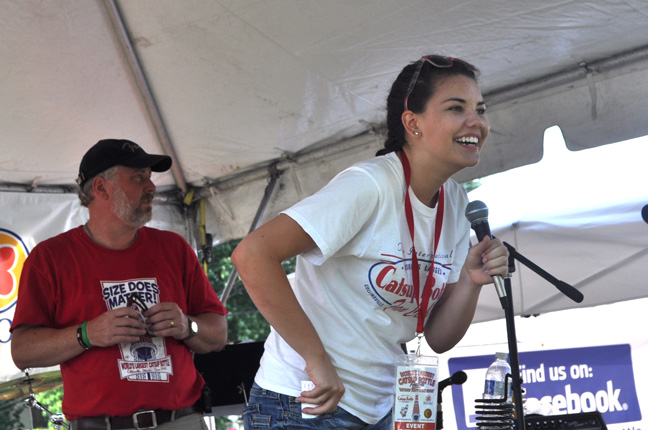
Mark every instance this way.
x=582 y=421
x=229 y=373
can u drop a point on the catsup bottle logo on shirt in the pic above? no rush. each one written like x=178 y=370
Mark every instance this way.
x=389 y=285
x=13 y=254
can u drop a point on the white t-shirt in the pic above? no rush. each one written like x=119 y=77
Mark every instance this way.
x=354 y=285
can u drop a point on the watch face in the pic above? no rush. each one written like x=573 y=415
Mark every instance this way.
x=194 y=326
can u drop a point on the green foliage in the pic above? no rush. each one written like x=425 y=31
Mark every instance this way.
x=52 y=400
x=10 y=411
x=244 y=320
x=471 y=185
x=222 y=423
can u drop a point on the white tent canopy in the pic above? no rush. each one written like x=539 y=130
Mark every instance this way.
x=238 y=92
x=229 y=88
x=580 y=222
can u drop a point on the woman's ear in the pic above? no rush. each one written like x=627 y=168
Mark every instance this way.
x=410 y=122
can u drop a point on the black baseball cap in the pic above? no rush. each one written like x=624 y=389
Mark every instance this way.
x=108 y=153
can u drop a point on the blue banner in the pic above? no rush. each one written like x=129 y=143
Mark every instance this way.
x=570 y=381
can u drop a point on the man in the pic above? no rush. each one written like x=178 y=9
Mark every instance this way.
x=118 y=305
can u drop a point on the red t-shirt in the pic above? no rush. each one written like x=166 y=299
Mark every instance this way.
x=69 y=279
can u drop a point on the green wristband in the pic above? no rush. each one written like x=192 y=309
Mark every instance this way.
x=84 y=334
x=79 y=336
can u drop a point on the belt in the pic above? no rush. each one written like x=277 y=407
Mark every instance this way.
x=139 y=420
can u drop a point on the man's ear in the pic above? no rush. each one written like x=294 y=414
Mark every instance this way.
x=99 y=187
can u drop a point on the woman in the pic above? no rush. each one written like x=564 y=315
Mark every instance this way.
x=355 y=298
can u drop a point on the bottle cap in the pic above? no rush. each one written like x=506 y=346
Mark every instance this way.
x=502 y=355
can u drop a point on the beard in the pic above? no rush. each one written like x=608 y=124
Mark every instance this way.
x=129 y=213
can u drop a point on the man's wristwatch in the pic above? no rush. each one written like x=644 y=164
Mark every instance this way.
x=193 y=328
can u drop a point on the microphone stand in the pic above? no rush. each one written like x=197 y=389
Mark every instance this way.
x=565 y=288
x=513 y=351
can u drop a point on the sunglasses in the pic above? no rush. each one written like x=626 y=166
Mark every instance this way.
x=136 y=302
x=437 y=61
x=134 y=298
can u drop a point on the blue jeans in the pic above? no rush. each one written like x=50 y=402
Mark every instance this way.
x=268 y=410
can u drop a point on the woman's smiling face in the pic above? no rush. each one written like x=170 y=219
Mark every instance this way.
x=454 y=126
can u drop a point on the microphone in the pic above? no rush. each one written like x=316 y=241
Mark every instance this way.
x=644 y=213
x=477 y=214
x=457 y=378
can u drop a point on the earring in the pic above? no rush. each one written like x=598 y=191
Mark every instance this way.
x=416 y=133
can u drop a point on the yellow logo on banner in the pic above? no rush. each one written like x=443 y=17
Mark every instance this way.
x=13 y=254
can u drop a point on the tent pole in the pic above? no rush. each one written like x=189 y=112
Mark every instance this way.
x=361 y=142
x=145 y=92
x=275 y=174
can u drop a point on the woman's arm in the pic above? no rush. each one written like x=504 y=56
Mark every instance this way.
x=455 y=310
x=258 y=260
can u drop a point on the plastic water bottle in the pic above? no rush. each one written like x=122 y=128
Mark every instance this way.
x=496 y=408
x=495 y=386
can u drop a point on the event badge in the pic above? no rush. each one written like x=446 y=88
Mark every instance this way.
x=415 y=396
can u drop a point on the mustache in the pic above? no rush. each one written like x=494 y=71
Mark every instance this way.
x=147 y=196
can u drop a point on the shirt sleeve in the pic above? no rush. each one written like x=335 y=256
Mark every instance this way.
x=335 y=214
x=34 y=286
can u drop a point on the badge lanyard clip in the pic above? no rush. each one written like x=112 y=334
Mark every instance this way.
x=419 y=339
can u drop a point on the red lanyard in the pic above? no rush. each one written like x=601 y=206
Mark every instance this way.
x=438 y=224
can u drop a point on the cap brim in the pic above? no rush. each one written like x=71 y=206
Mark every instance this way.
x=157 y=163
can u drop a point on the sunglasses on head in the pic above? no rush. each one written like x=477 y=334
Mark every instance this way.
x=437 y=61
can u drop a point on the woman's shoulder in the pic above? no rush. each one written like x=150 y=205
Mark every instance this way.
x=380 y=169
x=456 y=197
x=456 y=188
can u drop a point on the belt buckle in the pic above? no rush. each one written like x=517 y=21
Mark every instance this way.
x=136 y=419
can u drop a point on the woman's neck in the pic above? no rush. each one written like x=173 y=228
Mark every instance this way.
x=425 y=179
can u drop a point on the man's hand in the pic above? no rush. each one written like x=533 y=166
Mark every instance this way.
x=116 y=326
x=167 y=319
